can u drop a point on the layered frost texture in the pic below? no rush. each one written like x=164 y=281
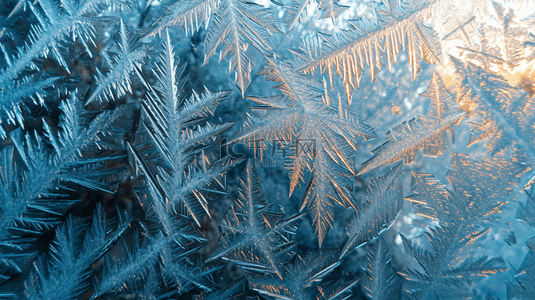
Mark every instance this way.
x=256 y=149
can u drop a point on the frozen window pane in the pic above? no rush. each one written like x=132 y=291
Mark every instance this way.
x=281 y=149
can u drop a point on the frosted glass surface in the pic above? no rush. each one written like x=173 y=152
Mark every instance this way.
x=267 y=149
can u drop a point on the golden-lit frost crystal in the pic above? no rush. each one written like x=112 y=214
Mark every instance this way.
x=396 y=26
x=427 y=132
x=303 y=113
x=464 y=204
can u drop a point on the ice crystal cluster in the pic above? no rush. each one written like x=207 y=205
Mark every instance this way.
x=254 y=149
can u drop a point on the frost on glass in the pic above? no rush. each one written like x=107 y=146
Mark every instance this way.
x=267 y=149
x=254 y=237
x=428 y=132
x=305 y=112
